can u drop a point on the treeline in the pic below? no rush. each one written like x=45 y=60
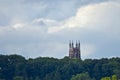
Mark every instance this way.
x=16 y=67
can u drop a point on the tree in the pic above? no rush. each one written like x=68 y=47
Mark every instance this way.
x=106 y=78
x=82 y=76
x=37 y=78
x=16 y=67
x=114 y=77
x=18 y=78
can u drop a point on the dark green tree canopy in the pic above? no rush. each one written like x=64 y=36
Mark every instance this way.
x=16 y=67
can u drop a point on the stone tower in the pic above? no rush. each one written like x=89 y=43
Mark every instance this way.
x=74 y=52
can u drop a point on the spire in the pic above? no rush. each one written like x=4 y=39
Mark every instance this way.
x=76 y=44
x=79 y=44
x=70 y=44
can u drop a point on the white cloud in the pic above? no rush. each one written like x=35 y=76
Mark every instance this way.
x=91 y=17
x=45 y=22
x=18 y=25
x=96 y=25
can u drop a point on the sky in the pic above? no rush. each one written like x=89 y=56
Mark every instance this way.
x=34 y=28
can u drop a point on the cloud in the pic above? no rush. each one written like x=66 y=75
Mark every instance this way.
x=97 y=24
x=41 y=29
x=18 y=25
x=23 y=10
x=45 y=22
x=90 y=16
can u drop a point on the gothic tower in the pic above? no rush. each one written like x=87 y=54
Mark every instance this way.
x=74 y=52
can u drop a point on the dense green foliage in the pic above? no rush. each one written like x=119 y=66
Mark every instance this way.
x=81 y=76
x=16 y=67
x=114 y=77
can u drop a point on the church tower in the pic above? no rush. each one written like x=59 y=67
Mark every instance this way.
x=74 y=51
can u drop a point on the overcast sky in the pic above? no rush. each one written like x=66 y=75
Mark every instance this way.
x=34 y=28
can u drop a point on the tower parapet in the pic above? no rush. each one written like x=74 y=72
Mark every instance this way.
x=74 y=51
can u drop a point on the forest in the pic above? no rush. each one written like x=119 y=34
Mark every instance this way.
x=17 y=67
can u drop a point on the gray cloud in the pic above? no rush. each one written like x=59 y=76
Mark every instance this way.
x=43 y=28
x=27 y=10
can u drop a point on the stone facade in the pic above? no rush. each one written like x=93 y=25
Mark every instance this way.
x=74 y=52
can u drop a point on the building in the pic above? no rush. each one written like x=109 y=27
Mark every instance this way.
x=74 y=51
